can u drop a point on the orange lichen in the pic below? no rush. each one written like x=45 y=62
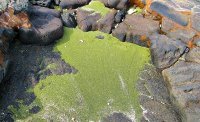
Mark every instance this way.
x=10 y=20
x=137 y=3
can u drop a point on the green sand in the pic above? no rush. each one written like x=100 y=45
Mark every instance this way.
x=97 y=7
x=104 y=83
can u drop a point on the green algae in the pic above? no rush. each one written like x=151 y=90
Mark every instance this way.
x=97 y=6
x=105 y=82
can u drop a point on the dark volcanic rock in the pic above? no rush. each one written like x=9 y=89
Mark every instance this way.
x=166 y=10
x=165 y=51
x=73 y=3
x=107 y=23
x=117 y=117
x=44 y=3
x=6 y=36
x=136 y=29
x=120 y=15
x=69 y=20
x=87 y=20
x=37 y=10
x=117 y=4
x=184 y=83
x=29 y=65
x=45 y=29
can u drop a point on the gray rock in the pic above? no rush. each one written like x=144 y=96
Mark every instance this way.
x=73 y=3
x=69 y=20
x=197 y=41
x=182 y=34
x=134 y=28
x=117 y=4
x=155 y=111
x=151 y=83
x=164 y=9
x=46 y=28
x=193 y=55
x=87 y=20
x=184 y=83
x=107 y=23
x=165 y=51
x=195 y=19
x=20 y=5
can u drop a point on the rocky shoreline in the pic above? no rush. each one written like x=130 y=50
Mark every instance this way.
x=168 y=87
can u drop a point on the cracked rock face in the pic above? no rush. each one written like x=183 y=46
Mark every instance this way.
x=165 y=51
x=136 y=29
x=184 y=81
x=155 y=97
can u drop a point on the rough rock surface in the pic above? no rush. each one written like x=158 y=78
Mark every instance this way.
x=184 y=80
x=69 y=19
x=6 y=36
x=165 y=51
x=87 y=20
x=45 y=29
x=107 y=23
x=131 y=29
x=155 y=98
x=196 y=18
x=73 y=3
x=193 y=55
x=117 y=4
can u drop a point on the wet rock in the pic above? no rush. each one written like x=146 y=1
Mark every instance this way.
x=136 y=29
x=155 y=111
x=46 y=28
x=69 y=20
x=193 y=55
x=107 y=23
x=117 y=117
x=43 y=3
x=117 y=4
x=73 y=3
x=120 y=16
x=196 y=18
x=87 y=20
x=163 y=8
x=165 y=51
x=183 y=79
